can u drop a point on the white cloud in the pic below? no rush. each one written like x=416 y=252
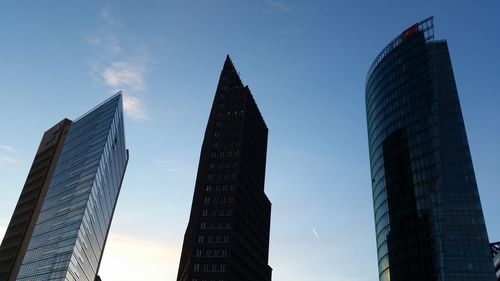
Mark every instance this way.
x=7 y=160
x=150 y=260
x=278 y=6
x=104 y=38
x=117 y=67
x=6 y=148
x=134 y=108
x=106 y=41
x=126 y=74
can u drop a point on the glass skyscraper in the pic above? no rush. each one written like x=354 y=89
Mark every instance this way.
x=428 y=216
x=17 y=237
x=227 y=238
x=495 y=251
x=73 y=220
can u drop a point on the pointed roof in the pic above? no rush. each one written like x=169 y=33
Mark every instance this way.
x=113 y=99
x=229 y=76
x=228 y=64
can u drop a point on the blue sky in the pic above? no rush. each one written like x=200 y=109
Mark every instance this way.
x=305 y=62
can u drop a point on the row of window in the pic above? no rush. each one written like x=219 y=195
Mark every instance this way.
x=211 y=253
x=219 y=188
x=223 y=165
x=217 y=212
x=225 y=176
x=215 y=225
x=222 y=154
x=226 y=144
x=207 y=267
x=232 y=105
x=219 y=200
x=229 y=123
x=231 y=98
x=229 y=113
x=217 y=239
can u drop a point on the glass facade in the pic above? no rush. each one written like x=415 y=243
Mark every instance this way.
x=30 y=202
x=73 y=224
x=428 y=216
x=495 y=251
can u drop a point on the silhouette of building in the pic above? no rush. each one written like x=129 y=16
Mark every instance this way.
x=495 y=250
x=61 y=221
x=227 y=237
x=428 y=216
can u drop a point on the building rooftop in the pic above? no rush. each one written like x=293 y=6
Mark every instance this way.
x=426 y=26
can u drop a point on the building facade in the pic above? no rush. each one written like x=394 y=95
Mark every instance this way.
x=18 y=235
x=428 y=216
x=75 y=201
x=495 y=250
x=227 y=238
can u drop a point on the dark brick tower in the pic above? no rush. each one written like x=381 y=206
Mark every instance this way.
x=227 y=237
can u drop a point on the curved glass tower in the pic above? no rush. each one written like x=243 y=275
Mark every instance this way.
x=428 y=216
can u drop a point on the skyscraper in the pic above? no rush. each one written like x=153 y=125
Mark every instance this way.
x=17 y=237
x=428 y=216
x=495 y=250
x=60 y=224
x=227 y=237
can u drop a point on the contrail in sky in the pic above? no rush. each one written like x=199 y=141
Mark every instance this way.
x=315 y=233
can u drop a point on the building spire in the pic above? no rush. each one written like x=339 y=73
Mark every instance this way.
x=229 y=77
